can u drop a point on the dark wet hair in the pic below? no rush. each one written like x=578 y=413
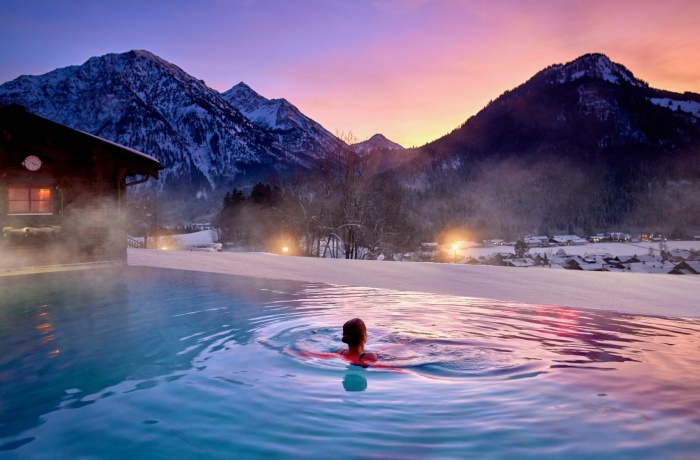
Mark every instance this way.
x=353 y=332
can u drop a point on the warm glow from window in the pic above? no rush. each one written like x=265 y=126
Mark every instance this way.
x=29 y=201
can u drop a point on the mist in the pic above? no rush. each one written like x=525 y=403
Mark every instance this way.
x=352 y=205
x=91 y=229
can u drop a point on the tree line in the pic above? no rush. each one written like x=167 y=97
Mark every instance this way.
x=355 y=205
x=342 y=206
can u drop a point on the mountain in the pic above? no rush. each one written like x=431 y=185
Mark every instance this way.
x=298 y=133
x=590 y=109
x=583 y=145
x=377 y=142
x=203 y=141
x=580 y=146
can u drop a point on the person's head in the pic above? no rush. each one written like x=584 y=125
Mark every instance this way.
x=354 y=332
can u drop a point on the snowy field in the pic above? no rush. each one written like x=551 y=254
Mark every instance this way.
x=650 y=294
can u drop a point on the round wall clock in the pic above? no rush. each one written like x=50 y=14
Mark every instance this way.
x=32 y=163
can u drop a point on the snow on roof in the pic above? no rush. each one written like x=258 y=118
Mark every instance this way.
x=123 y=147
x=694 y=264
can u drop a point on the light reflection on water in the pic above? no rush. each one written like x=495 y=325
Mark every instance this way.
x=179 y=364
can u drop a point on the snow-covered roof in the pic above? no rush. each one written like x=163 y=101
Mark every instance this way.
x=20 y=116
x=571 y=239
x=693 y=264
x=123 y=147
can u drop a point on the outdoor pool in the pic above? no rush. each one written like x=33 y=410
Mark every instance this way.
x=154 y=363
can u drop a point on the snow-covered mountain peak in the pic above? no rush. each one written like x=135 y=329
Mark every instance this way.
x=243 y=92
x=251 y=104
x=271 y=113
x=595 y=65
x=376 y=142
x=144 y=102
x=292 y=128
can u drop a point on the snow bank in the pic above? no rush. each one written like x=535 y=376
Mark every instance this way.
x=647 y=294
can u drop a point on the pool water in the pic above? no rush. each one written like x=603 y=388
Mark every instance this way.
x=154 y=363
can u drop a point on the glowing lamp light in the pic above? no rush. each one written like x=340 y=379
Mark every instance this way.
x=285 y=249
x=163 y=248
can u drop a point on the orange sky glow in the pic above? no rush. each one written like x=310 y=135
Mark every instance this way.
x=412 y=70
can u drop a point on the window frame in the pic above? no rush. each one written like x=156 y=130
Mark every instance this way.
x=40 y=202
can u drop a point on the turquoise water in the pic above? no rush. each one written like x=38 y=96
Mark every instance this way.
x=155 y=363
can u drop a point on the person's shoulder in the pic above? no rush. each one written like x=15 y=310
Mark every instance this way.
x=370 y=356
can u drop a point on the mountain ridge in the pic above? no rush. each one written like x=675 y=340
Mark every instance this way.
x=580 y=146
x=376 y=142
x=592 y=114
x=142 y=101
x=304 y=136
x=587 y=97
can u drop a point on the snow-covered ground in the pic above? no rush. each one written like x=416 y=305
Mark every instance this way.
x=650 y=294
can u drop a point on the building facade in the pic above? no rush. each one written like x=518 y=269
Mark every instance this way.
x=63 y=192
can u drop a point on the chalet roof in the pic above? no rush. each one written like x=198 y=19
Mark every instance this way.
x=543 y=238
x=520 y=263
x=123 y=147
x=684 y=253
x=629 y=259
x=689 y=267
x=20 y=124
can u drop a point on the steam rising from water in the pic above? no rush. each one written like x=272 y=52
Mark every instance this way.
x=89 y=230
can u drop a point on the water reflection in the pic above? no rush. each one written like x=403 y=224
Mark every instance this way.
x=66 y=337
x=46 y=321
x=354 y=382
x=414 y=330
x=131 y=335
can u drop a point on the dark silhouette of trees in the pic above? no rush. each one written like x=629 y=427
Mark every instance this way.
x=341 y=206
x=521 y=249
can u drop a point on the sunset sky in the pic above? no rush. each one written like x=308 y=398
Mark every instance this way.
x=412 y=70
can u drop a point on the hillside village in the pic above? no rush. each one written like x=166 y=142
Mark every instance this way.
x=612 y=252
x=570 y=252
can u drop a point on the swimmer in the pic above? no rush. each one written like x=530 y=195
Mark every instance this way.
x=355 y=335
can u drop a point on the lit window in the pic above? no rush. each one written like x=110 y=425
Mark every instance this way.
x=29 y=201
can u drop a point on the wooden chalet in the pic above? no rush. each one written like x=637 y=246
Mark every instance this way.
x=63 y=192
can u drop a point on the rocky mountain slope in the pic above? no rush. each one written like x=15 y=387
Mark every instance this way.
x=201 y=137
x=299 y=134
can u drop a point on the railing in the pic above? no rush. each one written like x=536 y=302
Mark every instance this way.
x=133 y=243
